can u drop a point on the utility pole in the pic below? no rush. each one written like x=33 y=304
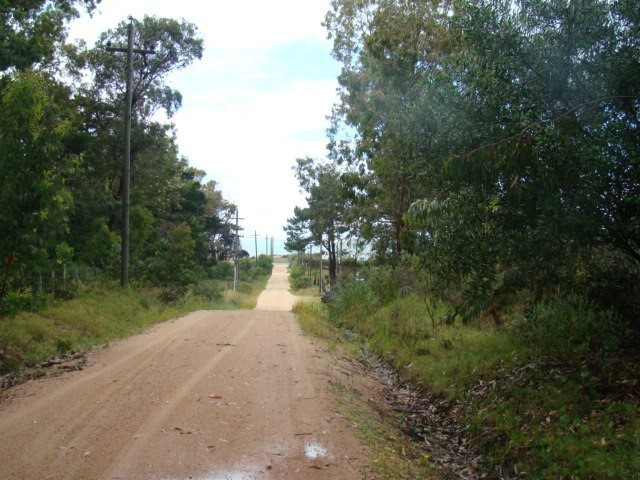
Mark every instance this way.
x=237 y=250
x=255 y=237
x=126 y=164
x=266 y=245
x=340 y=256
x=320 y=283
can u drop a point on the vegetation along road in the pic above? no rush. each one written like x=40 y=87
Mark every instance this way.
x=214 y=394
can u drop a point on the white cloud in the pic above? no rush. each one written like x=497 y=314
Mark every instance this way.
x=257 y=100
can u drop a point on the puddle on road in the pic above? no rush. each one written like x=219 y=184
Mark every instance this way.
x=315 y=450
x=236 y=475
x=231 y=476
x=312 y=451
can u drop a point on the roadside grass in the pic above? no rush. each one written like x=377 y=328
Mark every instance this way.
x=396 y=456
x=526 y=413
x=105 y=313
x=447 y=358
x=313 y=318
x=546 y=424
x=310 y=292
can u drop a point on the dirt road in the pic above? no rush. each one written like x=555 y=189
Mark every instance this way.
x=212 y=395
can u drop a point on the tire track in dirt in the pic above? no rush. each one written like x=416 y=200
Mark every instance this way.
x=238 y=394
x=132 y=448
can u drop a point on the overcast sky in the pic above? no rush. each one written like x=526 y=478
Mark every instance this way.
x=257 y=100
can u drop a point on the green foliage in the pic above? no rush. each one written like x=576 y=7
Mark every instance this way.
x=496 y=146
x=549 y=400
x=23 y=300
x=243 y=287
x=34 y=126
x=249 y=269
x=174 y=263
x=176 y=45
x=104 y=313
x=223 y=271
x=33 y=29
x=60 y=165
x=209 y=289
x=298 y=278
x=496 y=141
x=296 y=229
x=572 y=330
x=323 y=221
x=300 y=282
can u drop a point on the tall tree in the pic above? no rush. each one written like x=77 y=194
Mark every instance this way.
x=513 y=123
x=392 y=94
x=160 y=178
x=297 y=231
x=327 y=204
x=35 y=124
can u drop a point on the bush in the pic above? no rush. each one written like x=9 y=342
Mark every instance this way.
x=572 y=330
x=265 y=264
x=300 y=282
x=223 y=271
x=23 y=300
x=249 y=269
x=244 y=287
x=208 y=289
x=172 y=294
x=353 y=303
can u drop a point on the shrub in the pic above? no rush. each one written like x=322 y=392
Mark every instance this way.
x=208 y=289
x=172 y=294
x=244 y=287
x=300 y=282
x=571 y=329
x=23 y=300
x=223 y=271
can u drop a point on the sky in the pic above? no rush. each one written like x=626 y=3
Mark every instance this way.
x=258 y=99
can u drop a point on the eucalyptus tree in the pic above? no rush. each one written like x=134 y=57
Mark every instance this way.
x=220 y=226
x=325 y=214
x=513 y=124
x=395 y=95
x=555 y=158
x=176 y=45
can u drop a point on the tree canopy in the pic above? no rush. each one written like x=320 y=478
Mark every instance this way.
x=61 y=124
x=497 y=140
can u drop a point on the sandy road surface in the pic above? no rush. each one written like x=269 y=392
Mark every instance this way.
x=212 y=395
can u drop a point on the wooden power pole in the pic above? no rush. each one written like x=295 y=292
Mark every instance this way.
x=126 y=164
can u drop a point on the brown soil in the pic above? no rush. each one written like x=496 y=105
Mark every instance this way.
x=212 y=395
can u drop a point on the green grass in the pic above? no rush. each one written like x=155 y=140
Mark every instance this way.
x=105 y=313
x=395 y=456
x=538 y=416
x=547 y=424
